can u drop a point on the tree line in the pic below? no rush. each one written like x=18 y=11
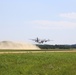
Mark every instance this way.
x=57 y=46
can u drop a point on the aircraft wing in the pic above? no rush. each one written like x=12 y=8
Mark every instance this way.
x=48 y=40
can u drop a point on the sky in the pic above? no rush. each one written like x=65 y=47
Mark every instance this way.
x=22 y=20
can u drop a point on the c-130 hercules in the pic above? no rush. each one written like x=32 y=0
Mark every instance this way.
x=41 y=41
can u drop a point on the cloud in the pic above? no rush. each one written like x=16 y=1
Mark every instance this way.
x=68 y=15
x=45 y=24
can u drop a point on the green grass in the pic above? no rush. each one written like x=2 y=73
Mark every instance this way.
x=38 y=64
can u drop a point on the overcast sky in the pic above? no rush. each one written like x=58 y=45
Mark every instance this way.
x=21 y=20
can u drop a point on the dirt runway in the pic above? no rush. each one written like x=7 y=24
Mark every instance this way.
x=19 y=52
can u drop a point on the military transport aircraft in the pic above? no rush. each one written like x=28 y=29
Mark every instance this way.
x=41 y=41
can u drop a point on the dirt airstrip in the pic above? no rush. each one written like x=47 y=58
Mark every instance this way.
x=19 y=52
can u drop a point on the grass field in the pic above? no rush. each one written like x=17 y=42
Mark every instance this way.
x=38 y=64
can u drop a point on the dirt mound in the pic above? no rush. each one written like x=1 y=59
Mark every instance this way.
x=17 y=45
